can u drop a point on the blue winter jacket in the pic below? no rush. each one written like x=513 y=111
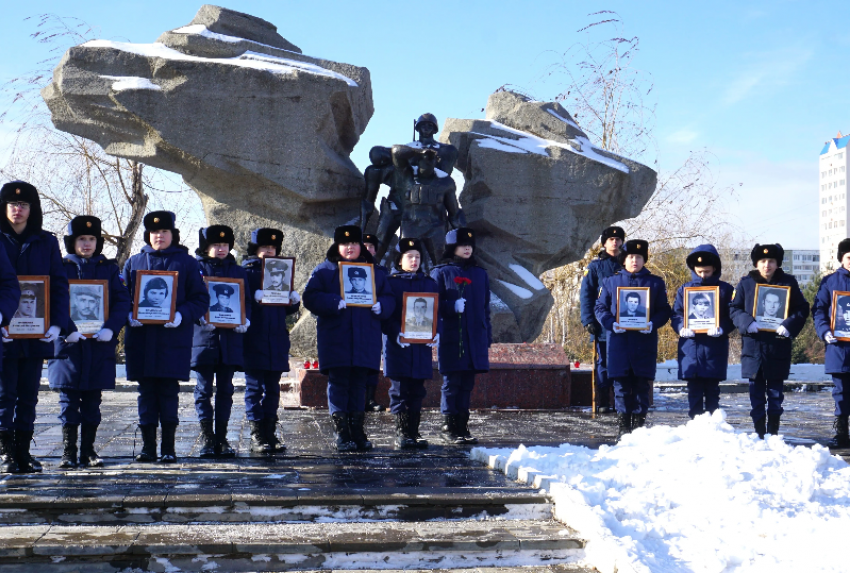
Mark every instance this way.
x=837 y=359
x=267 y=339
x=632 y=350
x=765 y=350
x=90 y=364
x=350 y=337
x=704 y=356
x=10 y=294
x=154 y=351
x=475 y=319
x=415 y=360
x=599 y=269
x=222 y=345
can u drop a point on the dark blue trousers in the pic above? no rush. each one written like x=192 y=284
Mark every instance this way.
x=603 y=384
x=773 y=389
x=158 y=401
x=262 y=394
x=406 y=395
x=699 y=388
x=842 y=404
x=19 y=393
x=79 y=407
x=347 y=389
x=372 y=379
x=631 y=394
x=456 y=392
x=222 y=376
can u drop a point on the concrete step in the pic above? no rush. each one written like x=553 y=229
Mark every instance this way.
x=286 y=547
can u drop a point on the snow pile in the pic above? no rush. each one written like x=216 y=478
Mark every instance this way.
x=122 y=83
x=698 y=497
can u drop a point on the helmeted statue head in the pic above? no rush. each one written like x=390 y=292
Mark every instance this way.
x=422 y=124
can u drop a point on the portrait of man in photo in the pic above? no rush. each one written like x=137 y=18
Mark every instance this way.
x=276 y=276
x=842 y=317
x=419 y=320
x=28 y=305
x=633 y=307
x=701 y=307
x=86 y=303
x=221 y=295
x=155 y=293
x=357 y=284
x=770 y=311
x=357 y=279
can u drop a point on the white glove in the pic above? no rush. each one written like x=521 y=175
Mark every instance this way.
x=617 y=328
x=178 y=318
x=133 y=322
x=376 y=308
x=52 y=334
x=400 y=343
x=753 y=328
x=243 y=328
x=104 y=335
x=5 y=335
x=74 y=338
x=258 y=295
x=715 y=331
x=460 y=305
x=1 y=317
x=685 y=333
x=648 y=329
x=434 y=342
x=207 y=327
x=341 y=305
x=783 y=332
x=829 y=338
x=294 y=297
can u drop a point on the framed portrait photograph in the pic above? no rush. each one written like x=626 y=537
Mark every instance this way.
x=357 y=284
x=89 y=305
x=419 y=317
x=155 y=302
x=227 y=302
x=701 y=309
x=840 y=315
x=633 y=307
x=770 y=308
x=31 y=320
x=278 y=280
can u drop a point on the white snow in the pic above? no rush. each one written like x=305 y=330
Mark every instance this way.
x=526 y=275
x=564 y=119
x=668 y=371
x=123 y=83
x=697 y=497
x=517 y=290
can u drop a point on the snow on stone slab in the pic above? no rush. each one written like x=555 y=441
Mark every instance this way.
x=564 y=119
x=517 y=290
x=124 y=83
x=526 y=275
x=697 y=497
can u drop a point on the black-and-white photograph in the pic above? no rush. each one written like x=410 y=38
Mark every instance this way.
x=227 y=302
x=278 y=276
x=29 y=320
x=771 y=306
x=701 y=311
x=632 y=307
x=155 y=296
x=89 y=305
x=419 y=317
x=357 y=284
x=841 y=315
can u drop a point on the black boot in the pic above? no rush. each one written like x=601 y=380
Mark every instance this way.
x=148 y=453
x=270 y=425
x=167 y=454
x=842 y=433
x=88 y=457
x=415 y=417
x=761 y=428
x=344 y=443
x=7 y=453
x=403 y=439
x=26 y=463
x=773 y=424
x=463 y=429
x=222 y=447
x=371 y=405
x=207 y=449
x=356 y=423
x=259 y=441
x=624 y=424
x=638 y=421
x=449 y=433
x=69 y=447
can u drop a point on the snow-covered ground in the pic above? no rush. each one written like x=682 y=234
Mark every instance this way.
x=696 y=497
x=669 y=372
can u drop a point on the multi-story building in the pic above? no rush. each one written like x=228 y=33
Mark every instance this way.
x=802 y=263
x=832 y=210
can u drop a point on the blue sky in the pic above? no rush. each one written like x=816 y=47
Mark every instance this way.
x=759 y=84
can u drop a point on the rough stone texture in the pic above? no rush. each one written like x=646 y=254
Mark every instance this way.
x=260 y=131
x=538 y=194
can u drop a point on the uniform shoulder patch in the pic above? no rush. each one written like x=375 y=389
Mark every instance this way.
x=585 y=272
x=734 y=290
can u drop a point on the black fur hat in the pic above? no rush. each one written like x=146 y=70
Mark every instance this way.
x=774 y=251
x=214 y=234
x=348 y=234
x=703 y=259
x=843 y=249
x=83 y=225
x=408 y=244
x=614 y=231
x=265 y=237
x=371 y=239
x=635 y=247
x=16 y=191
x=161 y=220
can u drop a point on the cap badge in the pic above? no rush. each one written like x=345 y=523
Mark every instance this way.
x=17 y=191
x=88 y=224
x=346 y=233
x=221 y=234
x=765 y=251
x=638 y=246
x=274 y=237
x=469 y=234
x=409 y=243
x=699 y=259
x=156 y=219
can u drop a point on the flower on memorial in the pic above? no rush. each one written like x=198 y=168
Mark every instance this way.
x=461 y=283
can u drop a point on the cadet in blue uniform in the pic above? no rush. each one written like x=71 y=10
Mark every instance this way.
x=765 y=355
x=349 y=338
x=159 y=356
x=371 y=244
x=632 y=354
x=408 y=365
x=31 y=251
x=837 y=359
x=466 y=335
x=84 y=367
x=605 y=264
x=266 y=343
x=217 y=352
x=703 y=357
x=10 y=293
